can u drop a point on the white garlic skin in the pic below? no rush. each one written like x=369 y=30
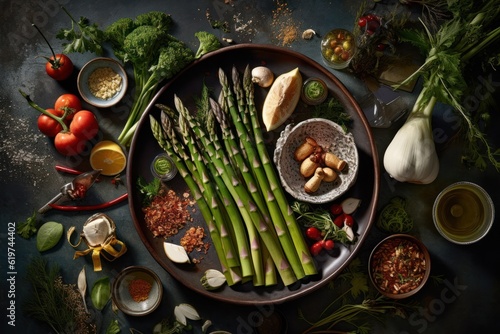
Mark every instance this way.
x=262 y=76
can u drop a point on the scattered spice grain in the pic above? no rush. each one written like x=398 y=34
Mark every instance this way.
x=139 y=289
x=287 y=30
x=167 y=213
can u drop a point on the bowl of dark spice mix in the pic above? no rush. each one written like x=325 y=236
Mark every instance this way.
x=137 y=291
x=399 y=266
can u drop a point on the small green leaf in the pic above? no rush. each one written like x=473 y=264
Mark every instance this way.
x=48 y=235
x=101 y=292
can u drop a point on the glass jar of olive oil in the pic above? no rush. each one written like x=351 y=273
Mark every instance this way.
x=463 y=212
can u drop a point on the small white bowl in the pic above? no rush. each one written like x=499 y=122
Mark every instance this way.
x=83 y=81
x=332 y=138
x=121 y=295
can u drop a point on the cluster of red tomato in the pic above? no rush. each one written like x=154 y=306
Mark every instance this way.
x=341 y=219
x=69 y=125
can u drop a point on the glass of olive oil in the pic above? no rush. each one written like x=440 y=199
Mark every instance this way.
x=463 y=212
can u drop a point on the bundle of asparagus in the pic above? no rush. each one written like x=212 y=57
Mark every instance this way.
x=226 y=165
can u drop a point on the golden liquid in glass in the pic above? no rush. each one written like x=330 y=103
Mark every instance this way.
x=461 y=214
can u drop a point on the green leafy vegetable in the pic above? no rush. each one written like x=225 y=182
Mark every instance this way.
x=101 y=293
x=27 y=228
x=113 y=327
x=82 y=36
x=462 y=47
x=394 y=218
x=333 y=110
x=208 y=43
x=48 y=235
x=148 y=190
x=155 y=55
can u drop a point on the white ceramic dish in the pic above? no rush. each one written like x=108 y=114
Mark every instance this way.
x=332 y=138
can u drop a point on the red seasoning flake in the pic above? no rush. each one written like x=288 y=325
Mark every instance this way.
x=193 y=240
x=167 y=214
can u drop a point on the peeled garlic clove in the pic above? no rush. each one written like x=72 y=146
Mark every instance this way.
x=262 y=76
x=308 y=34
x=176 y=253
x=349 y=205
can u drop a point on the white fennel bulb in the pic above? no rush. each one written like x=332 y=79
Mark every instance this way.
x=411 y=155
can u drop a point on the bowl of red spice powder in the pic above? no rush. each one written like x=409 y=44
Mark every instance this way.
x=137 y=291
x=399 y=266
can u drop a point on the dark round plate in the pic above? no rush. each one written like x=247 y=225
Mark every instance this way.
x=187 y=85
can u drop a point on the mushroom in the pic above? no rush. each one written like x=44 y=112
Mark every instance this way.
x=262 y=76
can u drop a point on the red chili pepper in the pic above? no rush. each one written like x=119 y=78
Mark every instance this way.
x=68 y=170
x=90 y=207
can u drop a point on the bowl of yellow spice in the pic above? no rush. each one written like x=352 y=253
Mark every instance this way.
x=102 y=82
x=137 y=291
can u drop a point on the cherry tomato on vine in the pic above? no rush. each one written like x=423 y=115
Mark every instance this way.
x=84 y=125
x=362 y=21
x=68 y=144
x=339 y=220
x=316 y=248
x=348 y=220
x=59 y=67
x=70 y=101
x=49 y=126
x=336 y=209
x=313 y=233
x=328 y=244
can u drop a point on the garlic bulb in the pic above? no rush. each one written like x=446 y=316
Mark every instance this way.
x=411 y=156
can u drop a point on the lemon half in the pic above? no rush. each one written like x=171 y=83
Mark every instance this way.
x=109 y=157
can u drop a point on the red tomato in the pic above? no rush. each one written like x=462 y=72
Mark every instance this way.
x=336 y=209
x=60 y=67
x=362 y=21
x=68 y=144
x=84 y=125
x=48 y=126
x=70 y=101
x=339 y=221
x=348 y=220
x=313 y=233
x=316 y=248
x=328 y=244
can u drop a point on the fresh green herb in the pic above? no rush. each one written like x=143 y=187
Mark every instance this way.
x=113 y=327
x=166 y=326
x=355 y=305
x=101 y=293
x=28 y=228
x=52 y=302
x=321 y=219
x=148 y=190
x=208 y=43
x=155 y=55
x=82 y=36
x=394 y=218
x=333 y=110
x=470 y=37
x=48 y=235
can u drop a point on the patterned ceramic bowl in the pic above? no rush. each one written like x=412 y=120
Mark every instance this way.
x=331 y=138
